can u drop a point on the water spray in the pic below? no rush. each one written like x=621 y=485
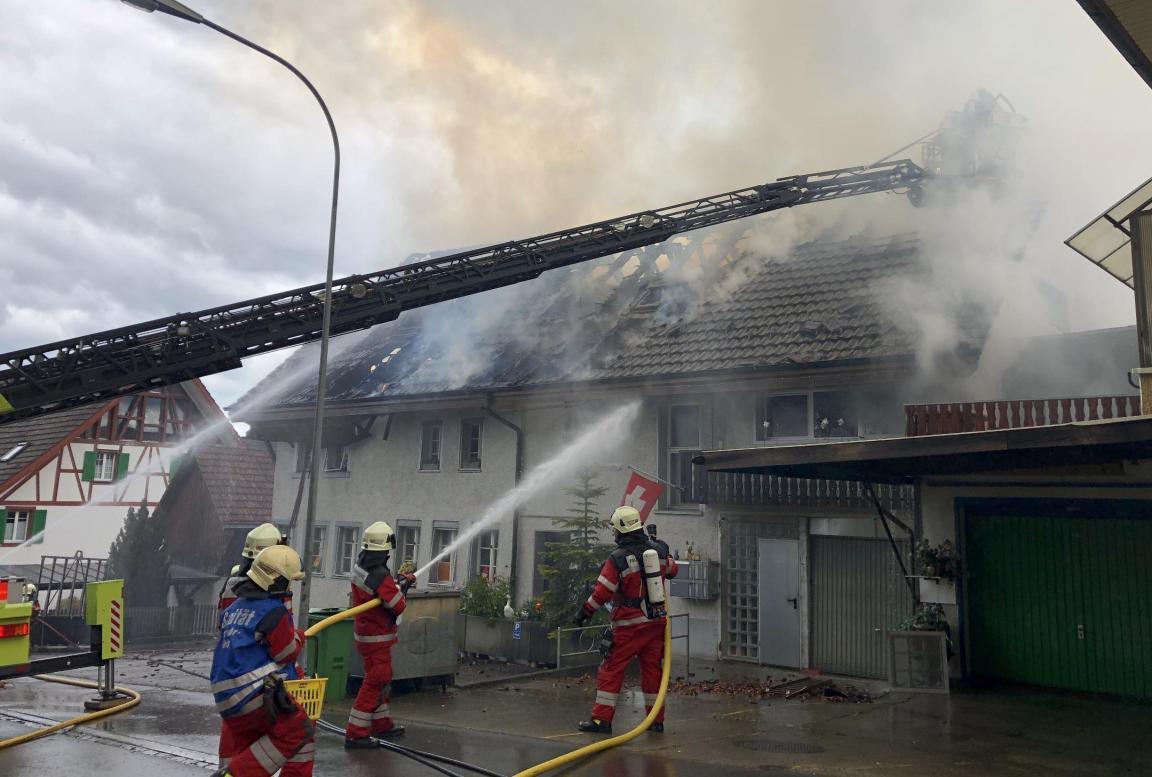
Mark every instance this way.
x=547 y=474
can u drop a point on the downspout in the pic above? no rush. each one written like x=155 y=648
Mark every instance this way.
x=519 y=474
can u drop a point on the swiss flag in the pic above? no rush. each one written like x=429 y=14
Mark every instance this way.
x=642 y=493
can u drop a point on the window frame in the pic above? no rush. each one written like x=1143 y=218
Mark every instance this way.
x=451 y=559
x=425 y=461
x=337 y=548
x=318 y=564
x=493 y=548
x=403 y=528
x=14 y=513
x=342 y=465
x=671 y=498
x=476 y=423
x=762 y=401
x=97 y=473
x=699 y=427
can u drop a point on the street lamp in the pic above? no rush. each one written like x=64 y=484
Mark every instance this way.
x=181 y=11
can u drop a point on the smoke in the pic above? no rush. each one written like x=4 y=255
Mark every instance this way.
x=506 y=121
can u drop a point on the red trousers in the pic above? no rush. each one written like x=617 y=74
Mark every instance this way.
x=645 y=640
x=370 y=713
x=252 y=747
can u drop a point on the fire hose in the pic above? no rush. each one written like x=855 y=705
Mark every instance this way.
x=578 y=753
x=88 y=717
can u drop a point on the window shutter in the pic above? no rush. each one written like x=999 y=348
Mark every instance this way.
x=89 y=473
x=122 y=466
x=39 y=518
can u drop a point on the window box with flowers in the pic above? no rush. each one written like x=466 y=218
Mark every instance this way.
x=939 y=568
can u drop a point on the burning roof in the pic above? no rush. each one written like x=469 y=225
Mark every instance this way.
x=699 y=304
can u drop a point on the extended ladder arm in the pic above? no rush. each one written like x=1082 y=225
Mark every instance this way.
x=100 y=366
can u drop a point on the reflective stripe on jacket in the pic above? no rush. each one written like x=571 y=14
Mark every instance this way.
x=244 y=656
x=624 y=587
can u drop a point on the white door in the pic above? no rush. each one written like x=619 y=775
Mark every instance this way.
x=778 y=570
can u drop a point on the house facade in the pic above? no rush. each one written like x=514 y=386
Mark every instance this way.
x=67 y=479
x=797 y=350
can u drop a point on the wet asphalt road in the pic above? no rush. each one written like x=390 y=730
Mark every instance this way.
x=173 y=733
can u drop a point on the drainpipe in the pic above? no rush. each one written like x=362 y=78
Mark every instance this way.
x=519 y=474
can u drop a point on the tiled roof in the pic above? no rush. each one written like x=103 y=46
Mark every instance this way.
x=239 y=481
x=821 y=303
x=41 y=433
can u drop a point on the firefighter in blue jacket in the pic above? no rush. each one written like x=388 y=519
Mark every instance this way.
x=264 y=730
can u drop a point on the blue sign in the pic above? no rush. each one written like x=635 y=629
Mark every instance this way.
x=516 y=630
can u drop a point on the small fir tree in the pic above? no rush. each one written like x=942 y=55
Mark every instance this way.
x=139 y=557
x=571 y=568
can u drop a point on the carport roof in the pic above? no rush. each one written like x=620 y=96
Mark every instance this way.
x=909 y=459
x=1128 y=24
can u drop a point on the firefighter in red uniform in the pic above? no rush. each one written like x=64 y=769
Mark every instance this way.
x=634 y=633
x=375 y=634
x=265 y=730
x=263 y=536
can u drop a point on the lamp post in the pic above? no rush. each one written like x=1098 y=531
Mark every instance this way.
x=181 y=11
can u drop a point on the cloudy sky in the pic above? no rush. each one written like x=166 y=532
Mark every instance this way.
x=149 y=166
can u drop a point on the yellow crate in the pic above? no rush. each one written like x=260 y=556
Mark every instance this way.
x=309 y=694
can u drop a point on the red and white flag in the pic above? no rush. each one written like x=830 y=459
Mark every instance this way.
x=642 y=493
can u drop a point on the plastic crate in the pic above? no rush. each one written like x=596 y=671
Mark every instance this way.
x=309 y=694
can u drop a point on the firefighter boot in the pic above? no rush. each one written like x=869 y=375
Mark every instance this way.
x=657 y=727
x=595 y=726
x=359 y=743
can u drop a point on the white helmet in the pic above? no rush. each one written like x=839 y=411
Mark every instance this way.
x=30 y=590
x=379 y=536
x=263 y=536
x=273 y=562
x=626 y=519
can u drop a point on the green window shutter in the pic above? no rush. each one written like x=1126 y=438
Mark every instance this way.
x=39 y=518
x=122 y=466
x=89 y=467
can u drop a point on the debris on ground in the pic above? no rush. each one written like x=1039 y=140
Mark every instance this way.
x=800 y=688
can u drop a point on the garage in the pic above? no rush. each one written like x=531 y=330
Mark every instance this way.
x=1059 y=594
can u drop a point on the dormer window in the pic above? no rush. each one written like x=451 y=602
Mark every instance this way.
x=14 y=451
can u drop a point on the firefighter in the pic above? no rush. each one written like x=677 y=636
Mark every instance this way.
x=634 y=631
x=263 y=536
x=375 y=634
x=264 y=729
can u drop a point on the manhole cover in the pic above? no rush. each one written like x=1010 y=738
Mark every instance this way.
x=768 y=746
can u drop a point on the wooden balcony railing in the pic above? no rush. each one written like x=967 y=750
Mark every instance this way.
x=739 y=489
x=1014 y=414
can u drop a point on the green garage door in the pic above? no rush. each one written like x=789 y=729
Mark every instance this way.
x=1061 y=602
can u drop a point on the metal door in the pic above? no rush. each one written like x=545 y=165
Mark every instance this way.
x=858 y=593
x=779 y=590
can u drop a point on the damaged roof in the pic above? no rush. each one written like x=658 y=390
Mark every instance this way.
x=626 y=317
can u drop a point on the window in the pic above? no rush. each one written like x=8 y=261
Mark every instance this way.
x=16 y=525
x=408 y=543
x=128 y=417
x=782 y=416
x=442 y=538
x=14 y=451
x=486 y=553
x=684 y=442
x=836 y=415
x=430 y=446
x=153 y=426
x=471 y=432
x=684 y=426
x=318 y=535
x=105 y=467
x=336 y=459
x=347 y=539
x=540 y=543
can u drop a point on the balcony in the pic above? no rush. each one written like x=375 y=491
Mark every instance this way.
x=736 y=489
x=959 y=417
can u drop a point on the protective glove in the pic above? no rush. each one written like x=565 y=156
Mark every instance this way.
x=582 y=619
x=406 y=581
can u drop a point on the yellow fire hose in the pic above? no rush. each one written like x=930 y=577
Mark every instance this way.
x=88 y=717
x=577 y=754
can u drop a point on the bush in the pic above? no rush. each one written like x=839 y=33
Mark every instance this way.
x=484 y=598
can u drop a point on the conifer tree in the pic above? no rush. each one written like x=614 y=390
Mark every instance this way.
x=571 y=567
x=139 y=557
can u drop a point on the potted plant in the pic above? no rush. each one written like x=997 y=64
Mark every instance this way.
x=939 y=568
